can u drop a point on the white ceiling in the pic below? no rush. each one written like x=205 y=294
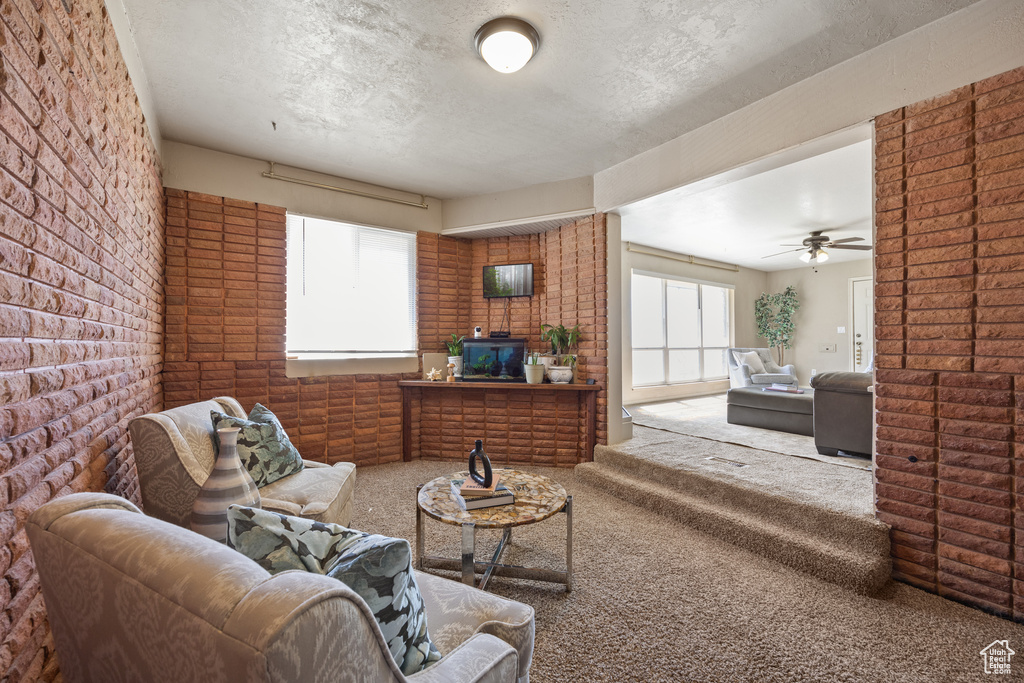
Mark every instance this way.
x=393 y=93
x=745 y=220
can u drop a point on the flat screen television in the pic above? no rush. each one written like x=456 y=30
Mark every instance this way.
x=512 y=280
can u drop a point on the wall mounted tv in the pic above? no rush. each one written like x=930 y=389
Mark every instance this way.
x=512 y=280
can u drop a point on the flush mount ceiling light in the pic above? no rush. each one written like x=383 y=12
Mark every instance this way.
x=507 y=43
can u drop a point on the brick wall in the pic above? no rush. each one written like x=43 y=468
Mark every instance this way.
x=225 y=334
x=81 y=253
x=570 y=287
x=950 y=341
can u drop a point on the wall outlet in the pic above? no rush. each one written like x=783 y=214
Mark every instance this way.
x=840 y=330
x=826 y=348
x=813 y=372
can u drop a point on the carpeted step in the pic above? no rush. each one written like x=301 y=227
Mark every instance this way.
x=845 y=550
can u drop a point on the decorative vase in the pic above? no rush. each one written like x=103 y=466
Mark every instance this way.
x=534 y=373
x=229 y=483
x=560 y=374
x=457 y=360
x=478 y=452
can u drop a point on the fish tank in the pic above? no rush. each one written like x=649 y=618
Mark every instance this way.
x=493 y=359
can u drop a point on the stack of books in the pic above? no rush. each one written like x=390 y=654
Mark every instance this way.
x=471 y=496
x=788 y=388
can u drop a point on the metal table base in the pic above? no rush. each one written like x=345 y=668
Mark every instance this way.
x=470 y=567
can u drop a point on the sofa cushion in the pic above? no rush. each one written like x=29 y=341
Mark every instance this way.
x=750 y=358
x=263 y=447
x=377 y=568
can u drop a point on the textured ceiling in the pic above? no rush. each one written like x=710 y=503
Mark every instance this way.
x=393 y=92
x=746 y=220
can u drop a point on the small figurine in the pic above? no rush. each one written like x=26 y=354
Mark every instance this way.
x=451 y=372
x=434 y=375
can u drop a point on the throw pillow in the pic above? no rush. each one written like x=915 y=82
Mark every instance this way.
x=263 y=447
x=377 y=568
x=752 y=359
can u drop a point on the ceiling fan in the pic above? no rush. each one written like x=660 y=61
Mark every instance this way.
x=814 y=247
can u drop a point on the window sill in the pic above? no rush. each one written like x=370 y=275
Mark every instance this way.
x=322 y=367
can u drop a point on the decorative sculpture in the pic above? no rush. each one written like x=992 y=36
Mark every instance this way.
x=488 y=476
x=451 y=372
x=434 y=375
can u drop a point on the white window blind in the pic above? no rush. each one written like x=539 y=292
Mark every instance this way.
x=351 y=290
x=680 y=330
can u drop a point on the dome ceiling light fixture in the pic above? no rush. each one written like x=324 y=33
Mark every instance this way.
x=507 y=43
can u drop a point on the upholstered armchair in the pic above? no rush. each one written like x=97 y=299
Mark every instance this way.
x=130 y=597
x=742 y=375
x=174 y=454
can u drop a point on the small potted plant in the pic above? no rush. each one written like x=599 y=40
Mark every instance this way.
x=455 y=352
x=562 y=341
x=534 y=369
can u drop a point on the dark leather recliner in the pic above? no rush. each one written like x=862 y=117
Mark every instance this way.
x=843 y=412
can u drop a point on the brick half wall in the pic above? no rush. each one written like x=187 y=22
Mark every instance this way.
x=949 y=317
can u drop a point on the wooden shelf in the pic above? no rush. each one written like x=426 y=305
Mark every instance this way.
x=515 y=386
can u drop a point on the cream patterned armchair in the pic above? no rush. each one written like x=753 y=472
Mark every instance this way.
x=174 y=454
x=130 y=597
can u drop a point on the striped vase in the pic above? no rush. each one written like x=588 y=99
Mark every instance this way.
x=229 y=483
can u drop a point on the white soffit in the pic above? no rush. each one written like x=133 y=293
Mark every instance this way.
x=532 y=226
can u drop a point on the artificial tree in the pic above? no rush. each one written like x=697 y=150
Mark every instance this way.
x=774 y=316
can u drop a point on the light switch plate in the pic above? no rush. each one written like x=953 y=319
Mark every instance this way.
x=841 y=330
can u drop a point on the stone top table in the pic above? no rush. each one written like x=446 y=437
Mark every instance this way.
x=537 y=498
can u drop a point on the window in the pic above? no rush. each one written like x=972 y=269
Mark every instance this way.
x=681 y=331
x=351 y=290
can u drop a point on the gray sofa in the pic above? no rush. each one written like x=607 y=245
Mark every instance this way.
x=843 y=412
x=742 y=376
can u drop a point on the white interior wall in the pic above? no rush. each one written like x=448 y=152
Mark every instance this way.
x=198 y=169
x=824 y=295
x=748 y=285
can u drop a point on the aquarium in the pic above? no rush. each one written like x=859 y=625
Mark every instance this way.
x=493 y=360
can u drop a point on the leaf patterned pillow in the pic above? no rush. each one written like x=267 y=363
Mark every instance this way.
x=377 y=568
x=263 y=447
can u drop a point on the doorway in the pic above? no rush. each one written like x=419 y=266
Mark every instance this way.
x=862 y=317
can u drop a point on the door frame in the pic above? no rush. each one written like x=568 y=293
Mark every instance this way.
x=852 y=337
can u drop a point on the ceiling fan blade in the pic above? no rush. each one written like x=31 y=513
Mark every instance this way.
x=788 y=251
x=848 y=239
x=860 y=247
x=793 y=245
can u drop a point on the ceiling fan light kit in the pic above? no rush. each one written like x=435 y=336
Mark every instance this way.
x=813 y=247
x=507 y=43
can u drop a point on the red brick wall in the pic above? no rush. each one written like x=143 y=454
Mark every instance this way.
x=81 y=296
x=225 y=334
x=950 y=341
x=570 y=287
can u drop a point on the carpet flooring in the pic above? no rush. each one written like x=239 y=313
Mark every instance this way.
x=705 y=418
x=655 y=600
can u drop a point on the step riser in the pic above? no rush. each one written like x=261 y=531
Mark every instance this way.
x=853 y=568
x=864 y=534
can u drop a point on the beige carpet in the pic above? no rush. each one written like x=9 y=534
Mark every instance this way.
x=657 y=601
x=706 y=418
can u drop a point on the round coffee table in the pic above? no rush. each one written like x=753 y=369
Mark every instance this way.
x=537 y=498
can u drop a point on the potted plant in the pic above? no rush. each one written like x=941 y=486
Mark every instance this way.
x=563 y=340
x=455 y=352
x=534 y=369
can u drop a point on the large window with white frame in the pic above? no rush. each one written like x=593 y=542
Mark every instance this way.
x=681 y=330
x=351 y=290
